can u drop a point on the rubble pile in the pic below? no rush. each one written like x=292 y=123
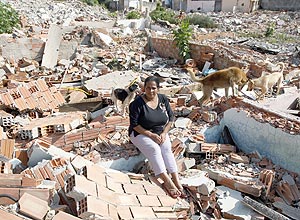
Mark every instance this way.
x=44 y=13
x=250 y=174
x=248 y=32
x=64 y=147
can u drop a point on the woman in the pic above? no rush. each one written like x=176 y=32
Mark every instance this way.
x=151 y=118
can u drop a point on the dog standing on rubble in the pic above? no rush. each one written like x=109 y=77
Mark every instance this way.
x=125 y=96
x=266 y=82
x=224 y=78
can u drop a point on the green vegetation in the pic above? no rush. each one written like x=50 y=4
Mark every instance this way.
x=9 y=18
x=113 y=14
x=133 y=15
x=161 y=13
x=270 y=30
x=104 y=3
x=202 y=21
x=275 y=38
x=182 y=36
x=91 y=2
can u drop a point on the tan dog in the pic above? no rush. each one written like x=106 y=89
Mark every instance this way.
x=225 y=78
x=267 y=82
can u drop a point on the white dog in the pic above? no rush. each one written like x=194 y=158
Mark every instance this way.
x=267 y=82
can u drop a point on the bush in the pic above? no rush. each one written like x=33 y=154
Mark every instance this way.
x=133 y=15
x=202 y=21
x=160 y=13
x=270 y=30
x=182 y=36
x=9 y=18
x=91 y=2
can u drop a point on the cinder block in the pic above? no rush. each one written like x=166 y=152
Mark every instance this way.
x=78 y=187
x=92 y=206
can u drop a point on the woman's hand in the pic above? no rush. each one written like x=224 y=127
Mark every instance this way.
x=163 y=137
x=156 y=138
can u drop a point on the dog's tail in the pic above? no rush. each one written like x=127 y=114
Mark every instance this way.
x=282 y=66
x=192 y=74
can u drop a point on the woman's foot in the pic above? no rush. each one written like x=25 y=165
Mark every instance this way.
x=171 y=190
x=183 y=195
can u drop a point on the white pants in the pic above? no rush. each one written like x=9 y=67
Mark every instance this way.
x=160 y=156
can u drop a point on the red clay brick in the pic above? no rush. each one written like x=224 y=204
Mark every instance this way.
x=142 y=212
x=96 y=173
x=147 y=200
x=14 y=192
x=7 y=216
x=124 y=212
x=33 y=206
x=11 y=180
x=42 y=194
x=167 y=200
x=92 y=205
x=64 y=216
x=137 y=189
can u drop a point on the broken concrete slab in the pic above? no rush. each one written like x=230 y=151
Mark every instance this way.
x=288 y=210
x=102 y=40
x=230 y=202
x=51 y=50
x=183 y=122
x=36 y=154
x=22 y=47
x=117 y=79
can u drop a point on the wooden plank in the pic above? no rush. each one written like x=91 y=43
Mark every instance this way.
x=51 y=50
x=264 y=210
x=288 y=210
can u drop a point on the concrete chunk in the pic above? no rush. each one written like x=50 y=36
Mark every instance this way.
x=230 y=202
x=197 y=178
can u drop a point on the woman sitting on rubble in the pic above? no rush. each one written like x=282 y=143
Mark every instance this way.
x=151 y=118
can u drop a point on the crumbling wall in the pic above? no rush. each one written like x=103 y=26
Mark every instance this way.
x=292 y=5
x=167 y=48
x=250 y=135
x=200 y=53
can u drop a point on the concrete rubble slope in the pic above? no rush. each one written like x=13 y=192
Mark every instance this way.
x=64 y=146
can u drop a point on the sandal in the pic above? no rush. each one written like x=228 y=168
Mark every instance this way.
x=183 y=195
x=174 y=193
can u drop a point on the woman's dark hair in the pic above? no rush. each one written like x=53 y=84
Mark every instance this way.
x=152 y=79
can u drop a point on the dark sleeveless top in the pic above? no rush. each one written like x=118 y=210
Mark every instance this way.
x=150 y=119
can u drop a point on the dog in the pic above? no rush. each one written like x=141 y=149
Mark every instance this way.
x=266 y=82
x=224 y=78
x=125 y=96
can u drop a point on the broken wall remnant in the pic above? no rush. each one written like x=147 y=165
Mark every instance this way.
x=289 y=5
x=219 y=55
x=17 y=48
x=51 y=50
x=251 y=135
x=35 y=95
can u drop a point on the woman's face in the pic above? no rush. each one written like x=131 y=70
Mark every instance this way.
x=151 y=89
